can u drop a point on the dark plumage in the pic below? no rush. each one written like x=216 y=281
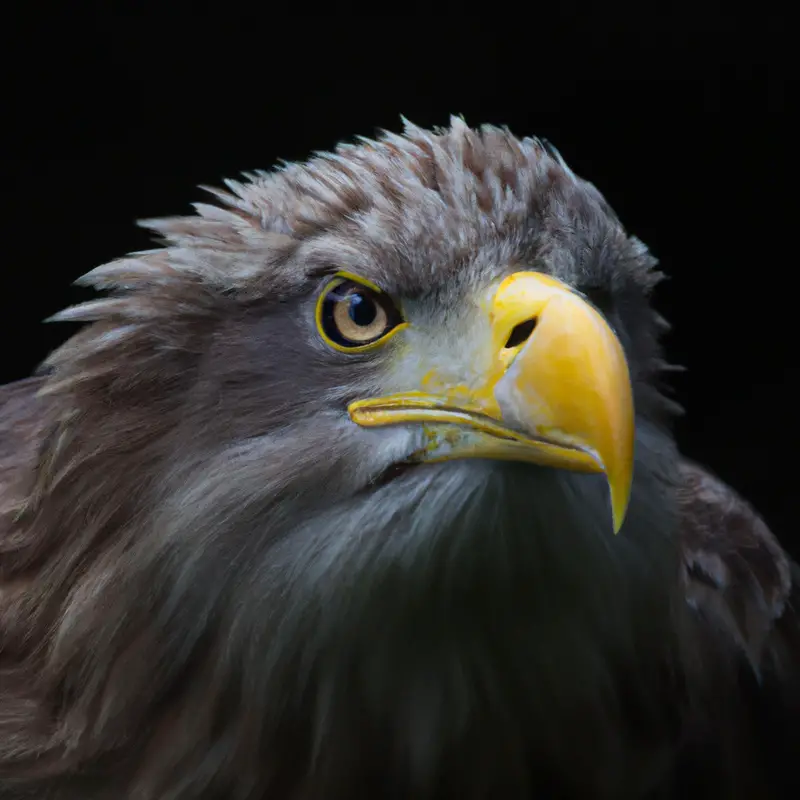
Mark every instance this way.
x=215 y=582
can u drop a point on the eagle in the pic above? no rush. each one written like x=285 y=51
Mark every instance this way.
x=363 y=484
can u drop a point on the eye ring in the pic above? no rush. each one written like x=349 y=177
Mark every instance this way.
x=354 y=315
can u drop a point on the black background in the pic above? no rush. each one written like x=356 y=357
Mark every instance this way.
x=683 y=120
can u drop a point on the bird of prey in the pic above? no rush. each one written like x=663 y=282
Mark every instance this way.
x=362 y=485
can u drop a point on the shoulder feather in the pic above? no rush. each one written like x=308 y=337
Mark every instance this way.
x=736 y=574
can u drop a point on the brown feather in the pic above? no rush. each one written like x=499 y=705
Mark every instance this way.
x=746 y=590
x=733 y=569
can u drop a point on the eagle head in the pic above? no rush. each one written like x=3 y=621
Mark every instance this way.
x=329 y=491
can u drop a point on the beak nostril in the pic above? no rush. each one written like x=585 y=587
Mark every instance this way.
x=521 y=332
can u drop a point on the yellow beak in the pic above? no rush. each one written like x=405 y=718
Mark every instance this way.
x=555 y=391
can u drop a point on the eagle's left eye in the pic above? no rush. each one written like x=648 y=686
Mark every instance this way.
x=353 y=316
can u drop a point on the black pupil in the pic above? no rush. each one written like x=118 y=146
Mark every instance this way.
x=362 y=310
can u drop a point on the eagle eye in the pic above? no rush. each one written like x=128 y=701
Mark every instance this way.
x=355 y=316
